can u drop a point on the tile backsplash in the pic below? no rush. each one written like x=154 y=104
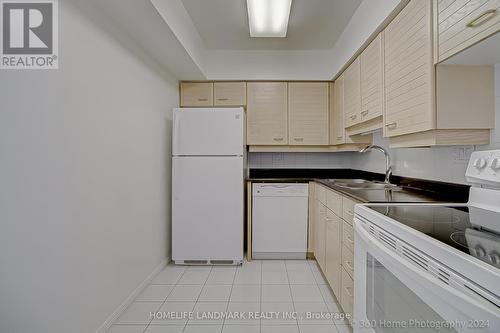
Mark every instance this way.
x=439 y=163
x=299 y=160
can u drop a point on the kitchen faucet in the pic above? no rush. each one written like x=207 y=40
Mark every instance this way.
x=388 y=167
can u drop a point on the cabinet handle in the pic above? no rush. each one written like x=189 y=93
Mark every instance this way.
x=222 y=99
x=202 y=99
x=348 y=264
x=278 y=139
x=349 y=239
x=298 y=139
x=474 y=22
x=391 y=125
x=364 y=113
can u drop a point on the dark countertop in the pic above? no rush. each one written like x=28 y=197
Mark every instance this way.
x=412 y=190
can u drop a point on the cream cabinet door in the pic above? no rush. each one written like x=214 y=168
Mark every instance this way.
x=333 y=257
x=409 y=71
x=352 y=94
x=371 y=80
x=337 y=128
x=463 y=23
x=347 y=293
x=308 y=113
x=230 y=93
x=267 y=113
x=319 y=239
x=197 y=93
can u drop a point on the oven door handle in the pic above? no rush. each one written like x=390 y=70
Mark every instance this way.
x=453 y=296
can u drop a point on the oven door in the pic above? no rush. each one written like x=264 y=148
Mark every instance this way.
x=393 y=294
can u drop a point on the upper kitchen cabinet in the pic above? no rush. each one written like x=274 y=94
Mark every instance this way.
x=267 y=122
x=459 y=24
x=196 y=94
x=308 y=113
x=363 y=81
x=352 y=94
x=409 y=71
x=337 y=129
x=230 y=93
x=371 y=82
x=338 y=136
x=427 y=105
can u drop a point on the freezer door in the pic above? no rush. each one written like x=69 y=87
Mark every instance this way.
x=207 y=212
x=208 y=131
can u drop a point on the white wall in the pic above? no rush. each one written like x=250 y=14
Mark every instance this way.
x=84 y=174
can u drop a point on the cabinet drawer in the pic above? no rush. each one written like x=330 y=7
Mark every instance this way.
x=462 y=27
x=230 y=93
x=197 y=94
x=348 y=210
x=347 y=293
x=321 y=194
x=348 y=260
x=348 y=236
x=334 y=202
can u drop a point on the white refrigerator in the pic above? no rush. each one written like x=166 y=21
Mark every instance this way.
x=208 y=185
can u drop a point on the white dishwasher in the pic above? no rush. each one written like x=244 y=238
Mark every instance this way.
x=279 y=220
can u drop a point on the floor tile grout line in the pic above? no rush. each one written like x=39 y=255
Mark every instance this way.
x=260 y=303
x=260 y=265
x=229 y=299
x=198 y=298
x=165 y=300
x=326 y=304
x=291 y=296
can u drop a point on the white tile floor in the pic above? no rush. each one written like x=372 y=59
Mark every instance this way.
x=260 y=286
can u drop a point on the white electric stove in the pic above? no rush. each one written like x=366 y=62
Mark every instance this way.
x=431 y=267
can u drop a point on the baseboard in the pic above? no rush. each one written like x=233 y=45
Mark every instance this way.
x=112 y=318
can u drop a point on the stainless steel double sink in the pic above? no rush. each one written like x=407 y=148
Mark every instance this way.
x=363 y=184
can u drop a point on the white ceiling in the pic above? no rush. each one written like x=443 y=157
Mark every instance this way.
x=313 y=25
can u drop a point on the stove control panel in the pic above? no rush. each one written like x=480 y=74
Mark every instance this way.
x=484 y=168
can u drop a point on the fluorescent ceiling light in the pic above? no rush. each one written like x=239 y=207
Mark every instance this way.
x=268 y=18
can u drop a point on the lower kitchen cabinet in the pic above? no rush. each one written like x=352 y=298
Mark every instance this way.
x=334 y=242
x=319 y=239
x=347 y=293
x=348 y=235
x=332 y=250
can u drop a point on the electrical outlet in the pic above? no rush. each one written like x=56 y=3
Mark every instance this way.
x=462 y=154
x=468 y=152
x=278 y=157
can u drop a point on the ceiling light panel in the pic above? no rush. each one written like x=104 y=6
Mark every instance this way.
x=268 y=18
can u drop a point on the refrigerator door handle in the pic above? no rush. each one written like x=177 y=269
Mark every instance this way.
x=176 y=186
x=176 y=136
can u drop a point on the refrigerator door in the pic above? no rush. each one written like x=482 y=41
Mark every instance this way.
x=207 y=212
x=208 y=132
